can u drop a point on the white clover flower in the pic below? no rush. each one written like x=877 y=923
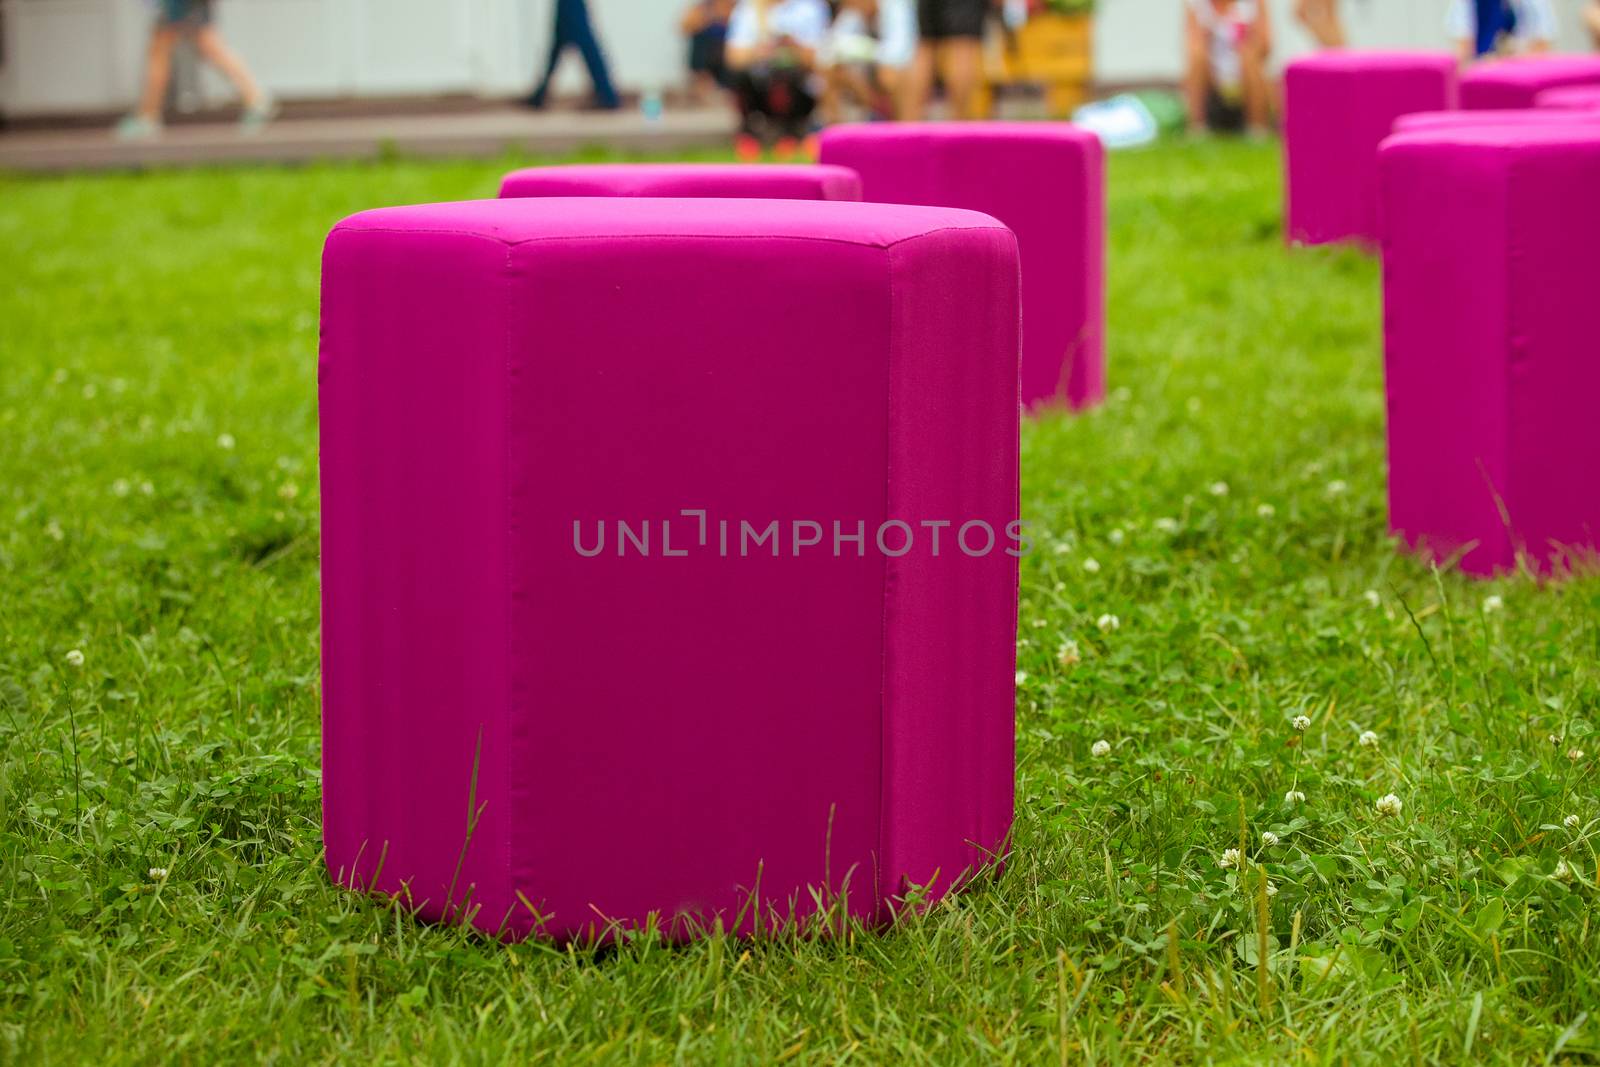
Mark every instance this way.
x=1100 y=749
x=1092 y=566
x=59 y=376
x=1372 y=598
x=1116 y=536
x=1301 y=723
x=158 y=874
x=53 y=530
x=1022 y=676
x=120 y=487
x=1108 y=623
x=1230 y=858
x=1219 y=488
x=1554 y=739
x=1265 y=511
x=1272 y=890
x=1574 y=754
x=1166 y=525
x=75 y=658
x=1269 y=839
x=1039 y=624
x=1390 y=805
x=1337 y=487
x=1562 y=873
x=1571 y=822
x=288 y=490
x=1069 y=655
x=225 y=441
x=1293 y=797
x=90 y=391
x=1062 y=548
x=1368 y=739
x=147 y=488
x=1492 y=604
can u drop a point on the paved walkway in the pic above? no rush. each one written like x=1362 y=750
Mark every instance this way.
x=489 y=131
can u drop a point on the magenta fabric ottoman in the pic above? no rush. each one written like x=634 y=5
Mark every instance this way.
x=1455 y=120
x=1518 y=82
x=1338 y=107
x=774 y=182
x=1584 y=99
x=1490 y=276
x=667 y=558
x=1045 y=180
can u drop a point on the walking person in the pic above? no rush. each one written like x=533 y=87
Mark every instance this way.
x=572 y=28
x=192 y=19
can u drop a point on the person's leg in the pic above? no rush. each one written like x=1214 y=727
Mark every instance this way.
x=1257 y=90
x=1197 y=85
x=749 y=93
x=918 y=87
x=157 y=71
x=1591 y=15
x=790 y=103
x=960 y=66
x=559 y=35
x=214 y=50
x=582 y=35
x=1321 y=19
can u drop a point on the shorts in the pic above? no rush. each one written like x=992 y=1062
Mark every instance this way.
x=185 y=14
x=940 y=20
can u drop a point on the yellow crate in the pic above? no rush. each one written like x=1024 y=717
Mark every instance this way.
x=1053 y=50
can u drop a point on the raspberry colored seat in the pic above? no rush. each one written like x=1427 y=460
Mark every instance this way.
x=1454 y=120
x=1338 y=107
x=617 y=618
x=1490 y=276
x=1045 y=180
x=776 y=182
x=1518 y=82
x=1581 y=98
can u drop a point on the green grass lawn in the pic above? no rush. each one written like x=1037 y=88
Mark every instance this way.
x=158 y=512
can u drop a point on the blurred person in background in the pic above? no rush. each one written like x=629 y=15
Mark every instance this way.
x=1226 y=45
x=573 y=29
x=1591 y=17
x=192 y=19
x=705 y=24
x=869 y=50
x=1321 y=20
x=951 y=44
x=773 y=53
x=1483 y=28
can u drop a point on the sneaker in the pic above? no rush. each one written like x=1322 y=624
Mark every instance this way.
x=785 y=150
x=137 y=127
x=746 y=149
x=258 y=115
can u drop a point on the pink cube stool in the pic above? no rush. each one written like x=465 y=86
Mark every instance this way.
x=775 y=182
x=1338 y=107
x=1045 y=180
x=1583 y=99
x=1455 y=120
x=667 y=558
x=1518 y=82
x=1490 y=275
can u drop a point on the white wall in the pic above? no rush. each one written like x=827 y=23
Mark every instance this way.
x=86 y=55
